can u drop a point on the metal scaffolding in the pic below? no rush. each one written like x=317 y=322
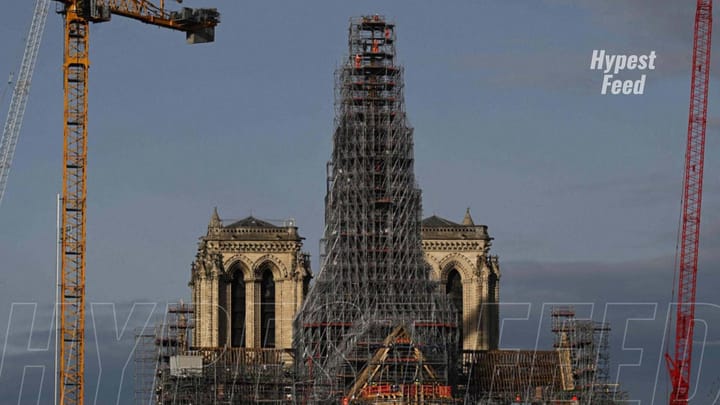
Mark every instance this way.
x=586 y=343
x=170 y=371
x=575 y=372
x=146 y=361
x=155 y=348
x=373 y=277
x=225 y=376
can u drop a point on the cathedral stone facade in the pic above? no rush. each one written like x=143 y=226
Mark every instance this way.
x=248 y=280
x=460 y=260
x=250 y=277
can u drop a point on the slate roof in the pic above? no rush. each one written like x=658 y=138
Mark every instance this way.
x=437 y=222
x=251 y=222
x=509 y=372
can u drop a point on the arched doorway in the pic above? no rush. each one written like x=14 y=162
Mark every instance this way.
x=267 y=309
x=454 y=290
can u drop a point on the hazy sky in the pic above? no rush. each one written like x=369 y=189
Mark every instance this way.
x=580 y=190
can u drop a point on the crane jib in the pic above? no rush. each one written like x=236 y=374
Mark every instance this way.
x=679 y=366
x=21 y=92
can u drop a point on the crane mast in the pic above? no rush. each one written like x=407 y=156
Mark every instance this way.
x=199 y=26
x=679 y=365
x=16 y=112
x=72 y=282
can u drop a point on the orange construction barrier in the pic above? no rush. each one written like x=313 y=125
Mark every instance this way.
x=408 y=391
x=445 y=391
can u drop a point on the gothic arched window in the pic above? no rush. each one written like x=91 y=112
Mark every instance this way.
x=238 y=310
x=454 y=290
x=267 y=309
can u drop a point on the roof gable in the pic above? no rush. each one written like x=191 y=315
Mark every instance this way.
x=251 y=222
x=437 y=222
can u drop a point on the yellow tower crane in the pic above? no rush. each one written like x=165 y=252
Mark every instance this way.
x=199 y=26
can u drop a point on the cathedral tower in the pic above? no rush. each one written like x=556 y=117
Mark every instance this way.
x=248 y=280
x=460 y=259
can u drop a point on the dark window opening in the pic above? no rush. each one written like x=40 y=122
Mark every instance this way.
x=267 y=310
x=238 y=310
x=454 y=290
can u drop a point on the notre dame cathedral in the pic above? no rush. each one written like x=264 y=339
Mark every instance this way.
x=250 y=278
x=402 y=310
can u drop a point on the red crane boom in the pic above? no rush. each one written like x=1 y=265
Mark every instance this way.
x=680 y=365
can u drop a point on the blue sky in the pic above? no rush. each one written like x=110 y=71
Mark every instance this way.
x=581 y=191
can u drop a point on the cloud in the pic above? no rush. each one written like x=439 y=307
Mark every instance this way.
x=27 y=372
x=634 y=296
x=646 y=188
x=664 y=23
x=631 y=295
x=547 y=68
x=555 y=67
x=659 y=19
x=636 y=26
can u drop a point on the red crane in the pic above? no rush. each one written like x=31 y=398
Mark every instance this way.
x=679 y=366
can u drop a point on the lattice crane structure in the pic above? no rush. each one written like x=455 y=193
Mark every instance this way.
x=21 y=92
x=199 y=26
x=680 y=365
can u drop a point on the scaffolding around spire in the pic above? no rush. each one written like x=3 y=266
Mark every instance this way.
x=373 y=276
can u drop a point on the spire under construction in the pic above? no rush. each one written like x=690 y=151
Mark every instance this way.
x=373 y=317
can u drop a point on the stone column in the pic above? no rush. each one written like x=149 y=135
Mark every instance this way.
x=213 y=309
x=252 y=313
x=225 y=312
x=197 y=331
x=469 y=316
x=280 y=310
x=204 y=307
x=484 y=309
